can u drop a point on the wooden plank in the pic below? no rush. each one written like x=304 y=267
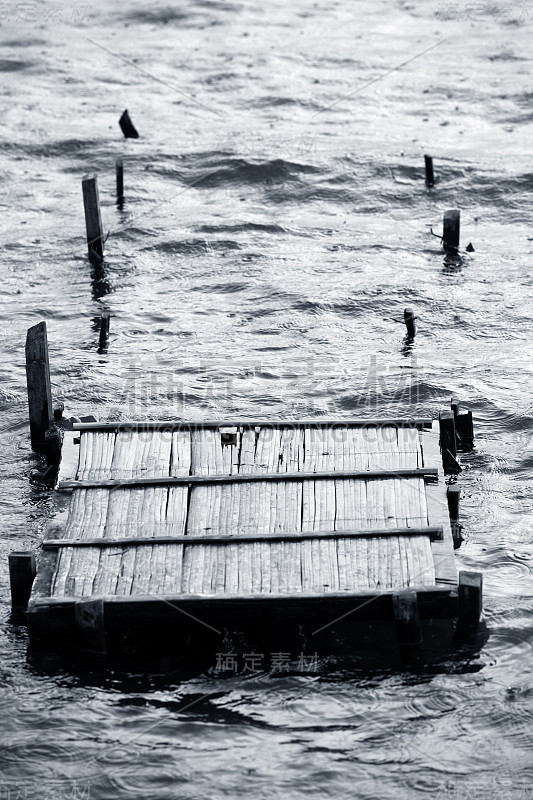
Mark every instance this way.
x=279 y=536
x=429 y=472
x=313 y=422
x=430 y=592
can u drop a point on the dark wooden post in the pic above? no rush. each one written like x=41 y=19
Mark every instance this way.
x=407 y=619
x=464 y=425
x=430 y=175
x=89 y=616
x=38 y=382
x=410 y=321
x=21 y=576
x=93 y=218
x=127 y=126
x=470 y=601
x=120 y=179
x=451 y=229
x=448 y=444
x=453 y=494
x=104 y=330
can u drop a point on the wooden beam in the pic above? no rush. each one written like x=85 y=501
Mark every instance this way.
x=426 y=593
x=21 y=577
x=313 y=422
x=188 y=480
x=93 y=218
x=470 y=601
x=38 y=382
x=132 y=541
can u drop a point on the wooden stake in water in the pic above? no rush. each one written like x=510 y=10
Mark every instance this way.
x=93 y=219
x=127 y=126
x=451 y=229
x=470 y=601
x=430 y=175
x=120 y=179
x=38 y=382
x=410 y=321
x=104 y=329
x=21 y=577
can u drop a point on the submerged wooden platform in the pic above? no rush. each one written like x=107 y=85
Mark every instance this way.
x=226 y=521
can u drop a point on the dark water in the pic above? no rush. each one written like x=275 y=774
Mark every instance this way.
x=276 y=225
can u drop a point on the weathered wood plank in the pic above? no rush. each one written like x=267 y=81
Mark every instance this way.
x=316 y=422
x=171 y=480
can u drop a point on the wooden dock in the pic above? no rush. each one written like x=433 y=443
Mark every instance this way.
x=170 y=526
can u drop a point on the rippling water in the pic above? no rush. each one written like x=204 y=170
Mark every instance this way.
x=276 y=224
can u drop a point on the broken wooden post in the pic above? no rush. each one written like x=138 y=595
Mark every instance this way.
x=21 y=576
x=59 y=407
x=93 y=218
x=104 y=329
x=407 y=619
x=470 y=601
x=430 y=176
x=464 y=425
x=410 y=321
x=38 y=382
x=451 y=229
x=448 y=443
x=120 y=180
x=453 y=494
x=89 y=616
x=127 y=126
